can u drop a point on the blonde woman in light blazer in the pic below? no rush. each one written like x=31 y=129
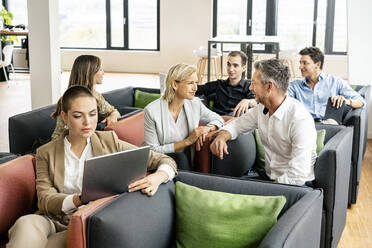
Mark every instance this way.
x=172 y=122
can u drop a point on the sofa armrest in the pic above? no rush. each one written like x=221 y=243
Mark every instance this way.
x=241 y=157
x=296 y=227
x=135 y=220
x=202 y=159
x=130 y=129
x=356 y=118
x=76 y=232
x=332 y=174
x=18 y=192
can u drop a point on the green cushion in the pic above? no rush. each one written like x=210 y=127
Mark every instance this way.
x=141 y=98
x=206 y=218
x=353 y=86
x=260 y=152
x=211 y=104
x=320 y=136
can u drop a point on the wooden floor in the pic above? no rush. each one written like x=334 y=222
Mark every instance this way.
x=358 y=229
x=15 y=98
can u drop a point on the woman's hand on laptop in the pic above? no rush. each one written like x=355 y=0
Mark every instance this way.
x=150 y=184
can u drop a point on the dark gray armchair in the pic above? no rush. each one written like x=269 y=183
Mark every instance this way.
x=358 y=119
x=135 y=220
x=332 y=172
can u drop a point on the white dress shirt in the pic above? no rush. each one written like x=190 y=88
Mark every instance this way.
x=288 y=137
x=74 y=170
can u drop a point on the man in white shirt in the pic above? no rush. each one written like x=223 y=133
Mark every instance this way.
x=286 y=128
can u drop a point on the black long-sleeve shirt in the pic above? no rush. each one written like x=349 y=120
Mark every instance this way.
x=224 y=95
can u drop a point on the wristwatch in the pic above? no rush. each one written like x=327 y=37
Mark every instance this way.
x=351 y=102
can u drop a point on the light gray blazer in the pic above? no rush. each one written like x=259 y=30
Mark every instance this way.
x=156 y=122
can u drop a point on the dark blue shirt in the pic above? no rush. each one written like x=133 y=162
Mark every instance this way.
x=224 y=95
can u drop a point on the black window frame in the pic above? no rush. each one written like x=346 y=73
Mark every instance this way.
x=272 y=24
x=108 y=30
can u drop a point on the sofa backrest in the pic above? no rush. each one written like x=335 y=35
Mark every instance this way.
x=124 y=97
x=29 y=130
x=18 y=192
x=120 y=97
x=130 y=129
x=135 y=220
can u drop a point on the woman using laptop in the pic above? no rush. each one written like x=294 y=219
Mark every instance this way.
x=172 y=122
x=86 y=71
x=59 y=169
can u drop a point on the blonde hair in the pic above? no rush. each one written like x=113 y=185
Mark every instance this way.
x=178 y=73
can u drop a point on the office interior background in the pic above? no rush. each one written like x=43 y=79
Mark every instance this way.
x=146 y=37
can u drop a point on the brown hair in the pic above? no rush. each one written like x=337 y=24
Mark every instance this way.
x=242 y=55
x=71 y=94
x=83 y=71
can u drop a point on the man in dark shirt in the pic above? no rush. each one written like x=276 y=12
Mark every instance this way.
x=231 y=96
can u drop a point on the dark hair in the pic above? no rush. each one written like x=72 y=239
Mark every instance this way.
x=71 y=94
x=272 y=70
x=315 y=54
x=241 y=54
x=83 y=71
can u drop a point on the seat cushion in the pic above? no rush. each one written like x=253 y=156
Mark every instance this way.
x=206 y=218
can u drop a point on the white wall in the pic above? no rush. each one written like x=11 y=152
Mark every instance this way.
x=184 y=26
x=45 y=60
x=359 y=45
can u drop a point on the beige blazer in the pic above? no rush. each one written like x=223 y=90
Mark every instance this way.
x=50 y=168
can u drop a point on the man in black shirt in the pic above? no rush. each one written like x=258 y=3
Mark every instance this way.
x=230 y=96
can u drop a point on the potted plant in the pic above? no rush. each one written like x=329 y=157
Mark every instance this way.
x=6 y=18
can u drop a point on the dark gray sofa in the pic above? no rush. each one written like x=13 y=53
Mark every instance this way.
x=358 y=119
x=29 y=130
x=332 y=173
x=135 y=220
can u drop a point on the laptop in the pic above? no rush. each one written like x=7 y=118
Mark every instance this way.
x=112 y=173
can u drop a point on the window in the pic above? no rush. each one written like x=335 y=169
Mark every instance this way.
x=298 y=23
x=82 y=24
x=110 y=24
x=295 y=23
x=240 y=17
x=143 y=30
x=99 y=24
x=19 y=11
x=340 y=27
